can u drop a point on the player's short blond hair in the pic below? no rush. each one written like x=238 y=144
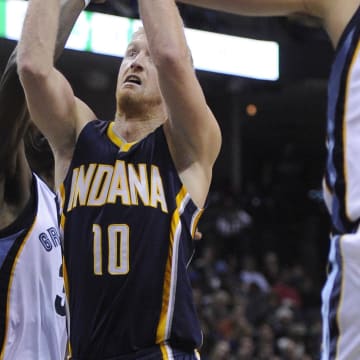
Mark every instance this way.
x=141 y=30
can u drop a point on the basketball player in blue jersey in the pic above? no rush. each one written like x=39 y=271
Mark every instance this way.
x=32 y=300
x=132 y=189
x=341 y=293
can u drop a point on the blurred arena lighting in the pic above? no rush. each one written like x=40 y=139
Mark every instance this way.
x=109 y=35
x=251 y=110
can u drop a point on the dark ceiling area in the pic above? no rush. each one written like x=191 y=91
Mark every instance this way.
x=290 y=113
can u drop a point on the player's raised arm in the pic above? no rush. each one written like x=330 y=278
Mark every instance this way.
x=192 y=131
x=13 y=110
x=51 y=101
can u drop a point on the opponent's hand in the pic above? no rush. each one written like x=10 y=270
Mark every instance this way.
x=198 y=235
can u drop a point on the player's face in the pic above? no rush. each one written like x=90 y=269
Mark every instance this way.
x=137 y=79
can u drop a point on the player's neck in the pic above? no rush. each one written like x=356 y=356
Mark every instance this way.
x=8 y=215
x=136 y=128
x=10 y=209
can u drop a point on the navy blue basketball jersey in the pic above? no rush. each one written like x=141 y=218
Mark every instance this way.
x=342 y=190
x=128 y=226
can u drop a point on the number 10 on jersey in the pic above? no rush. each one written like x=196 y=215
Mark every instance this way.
x=118 y=249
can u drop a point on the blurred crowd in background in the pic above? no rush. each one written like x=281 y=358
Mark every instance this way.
x=257 y=294
x=260 y=267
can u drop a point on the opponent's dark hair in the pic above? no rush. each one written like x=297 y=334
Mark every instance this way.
x=38 y=151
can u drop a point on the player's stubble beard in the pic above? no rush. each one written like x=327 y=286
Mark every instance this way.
x=139 y=106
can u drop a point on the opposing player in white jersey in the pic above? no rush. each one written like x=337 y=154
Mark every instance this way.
x=32 y=308
x=341 y=294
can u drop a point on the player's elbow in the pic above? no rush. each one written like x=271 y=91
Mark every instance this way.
x=171 y=58
x=29 y=70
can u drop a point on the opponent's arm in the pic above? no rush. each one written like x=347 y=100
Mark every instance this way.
x=334 y=14
x=12 y=116
x=51 y=101
x=260 y=7
x=192 y=131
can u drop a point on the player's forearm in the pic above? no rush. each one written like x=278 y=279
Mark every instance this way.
x=13 y=112
x=164 y=31
x=36 y=47
x=12 y=97
x=70 y=11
